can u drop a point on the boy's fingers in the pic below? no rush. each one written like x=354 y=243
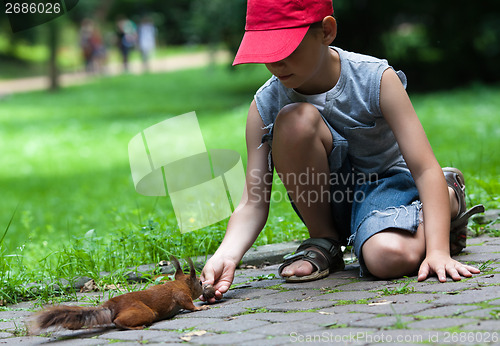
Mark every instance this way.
x=207 y=277
x=464 y=271
x=423 y=273
x=453 y=273
x=472 y=269
x=441 y=274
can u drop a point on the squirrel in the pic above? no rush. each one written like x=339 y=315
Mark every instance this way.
x=133 y=310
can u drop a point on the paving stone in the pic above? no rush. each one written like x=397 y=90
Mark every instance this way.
x=488 y=216
x=11 y=325
x=265 y=283
x=184 y=323
x=295 y=295
x=5 y=335
x=251 y=303
x=268 y=341
x=403 y=336
x=447 y=311
x=326 y=283
x=24 y=340
x=236 y=325
x=488 y=279
x=337 y=336
x=347 y=295
x=449 y=286
x=478 y=295
x=386 y=309
x=439 y=323
x=483 y=313
x=269 y=253
x=491 y=325
x=227 y=339
x=286 y=328
x=83 y=334
x=349 y=318
x=489 y=248
x=142 y=336
x=365 y=285
x=219 y=312
x=380 y=322
x=351 y=271
x=410 y=298
x=274 y=317
x=77 y=342
x=300 y=306
x=478 y=257
x=13 y=314
x=248 y=293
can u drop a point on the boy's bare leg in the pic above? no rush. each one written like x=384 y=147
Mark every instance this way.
x=395 y=253
x=301 y=145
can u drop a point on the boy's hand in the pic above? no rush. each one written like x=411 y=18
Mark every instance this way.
x=443 y=264
x=219 y=272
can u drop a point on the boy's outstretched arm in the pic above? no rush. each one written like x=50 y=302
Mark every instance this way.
x=428 y=175
x=249 y=218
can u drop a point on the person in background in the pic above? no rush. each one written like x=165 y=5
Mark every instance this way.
x=147 y=40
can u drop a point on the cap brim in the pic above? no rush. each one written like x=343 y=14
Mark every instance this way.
x=267 y=46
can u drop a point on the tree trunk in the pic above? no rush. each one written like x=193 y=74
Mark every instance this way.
x=53 y=45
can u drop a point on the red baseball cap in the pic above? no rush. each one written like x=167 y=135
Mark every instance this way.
x=275 y=28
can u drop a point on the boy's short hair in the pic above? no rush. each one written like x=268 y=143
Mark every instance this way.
x=275 y=28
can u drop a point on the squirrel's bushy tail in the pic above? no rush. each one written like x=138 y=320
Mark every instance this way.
x=72 y=317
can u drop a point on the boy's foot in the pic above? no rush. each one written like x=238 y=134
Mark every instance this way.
x=314 y=259
x=458 y=229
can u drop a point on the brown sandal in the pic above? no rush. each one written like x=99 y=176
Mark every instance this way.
x=458 y=228
x=323 y=253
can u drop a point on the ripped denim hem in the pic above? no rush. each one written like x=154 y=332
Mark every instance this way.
x=404 y=217
x=268 y=138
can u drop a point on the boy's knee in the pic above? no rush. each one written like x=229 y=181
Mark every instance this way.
x=297 y=121
x=388 y=259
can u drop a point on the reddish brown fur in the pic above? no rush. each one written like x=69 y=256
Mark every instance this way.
x=133 y=310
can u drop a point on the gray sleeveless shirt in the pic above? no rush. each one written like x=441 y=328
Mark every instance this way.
x=351 y=111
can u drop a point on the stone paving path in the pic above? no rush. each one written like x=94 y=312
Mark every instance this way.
x=342 y=309
x=173 y=63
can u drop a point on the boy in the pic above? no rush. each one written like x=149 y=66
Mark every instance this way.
x=345 y=121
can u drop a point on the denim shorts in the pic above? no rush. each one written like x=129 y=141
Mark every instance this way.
x=364 y=205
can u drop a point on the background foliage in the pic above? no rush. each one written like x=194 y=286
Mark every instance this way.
x=455 y=42
x=64 y=161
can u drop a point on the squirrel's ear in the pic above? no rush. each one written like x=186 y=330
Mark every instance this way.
x=177 y=266
x=192 y=271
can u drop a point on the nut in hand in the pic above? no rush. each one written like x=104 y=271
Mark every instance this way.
x=208 y=291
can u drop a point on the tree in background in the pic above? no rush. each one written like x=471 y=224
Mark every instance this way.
x=437 y=43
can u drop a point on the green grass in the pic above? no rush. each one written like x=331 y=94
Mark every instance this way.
x=64 y=166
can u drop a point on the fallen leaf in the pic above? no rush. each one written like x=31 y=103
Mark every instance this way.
x=381 y=302
x=195 y=333
x=89 y=286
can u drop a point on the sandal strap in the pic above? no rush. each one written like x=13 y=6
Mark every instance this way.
x=320 y=252
x=329 y=247
x=455 y=179
x=313 y=256
x=462 y=219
